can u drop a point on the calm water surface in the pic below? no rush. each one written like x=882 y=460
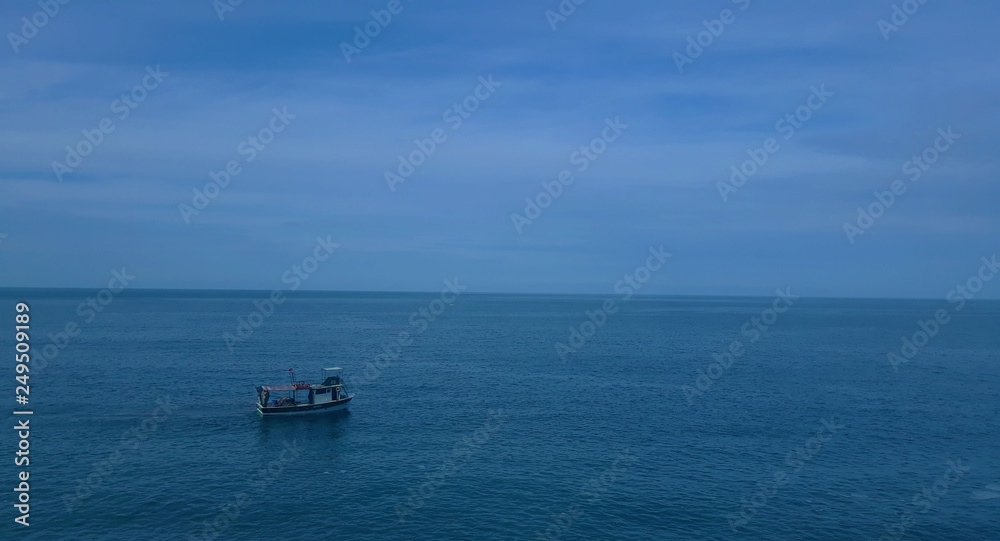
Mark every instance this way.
x=144 y=425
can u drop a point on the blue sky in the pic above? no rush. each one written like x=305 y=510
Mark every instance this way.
x=656 y=184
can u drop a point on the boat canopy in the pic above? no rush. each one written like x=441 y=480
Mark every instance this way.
x=279 y=388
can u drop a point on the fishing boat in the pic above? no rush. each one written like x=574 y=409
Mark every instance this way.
x=300 y=397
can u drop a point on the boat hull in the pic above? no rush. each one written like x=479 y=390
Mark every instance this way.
x=303 y=409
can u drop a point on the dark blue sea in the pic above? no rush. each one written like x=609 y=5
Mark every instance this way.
x=469 y=422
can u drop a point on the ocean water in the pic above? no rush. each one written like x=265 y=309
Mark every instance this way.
x=474 y=427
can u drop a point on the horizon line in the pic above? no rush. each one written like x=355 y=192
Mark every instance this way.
x=572 y=294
